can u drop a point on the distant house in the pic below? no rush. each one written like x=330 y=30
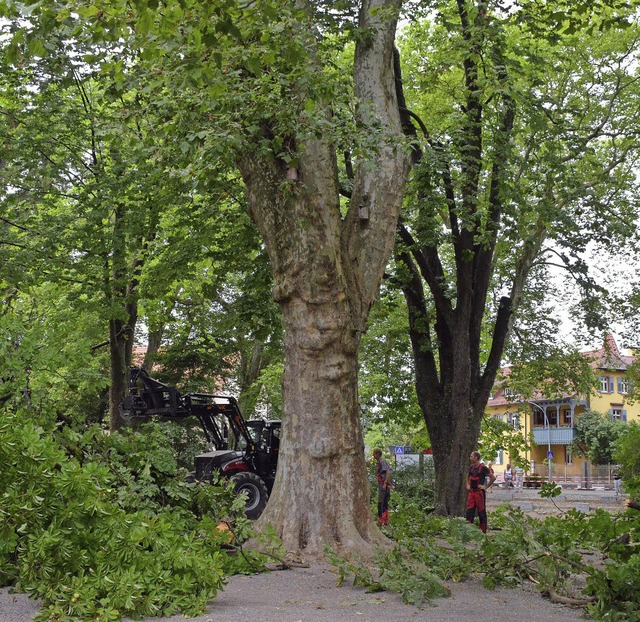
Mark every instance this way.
x=138 y=355
x=552 y=421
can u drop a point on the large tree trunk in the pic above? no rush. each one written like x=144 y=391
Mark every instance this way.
x=453 y=381
x=454 y=431
x=322 y=494
x=327 y=271
x=451 y=414
x=452 y=390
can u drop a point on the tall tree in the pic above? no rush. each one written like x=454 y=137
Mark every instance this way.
x=327 y=266
x=526 y=150
x=85 y=188
x=255 y=84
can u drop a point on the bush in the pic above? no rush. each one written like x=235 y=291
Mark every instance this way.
x=626 y=454
x=415 y=483
x=99 y=527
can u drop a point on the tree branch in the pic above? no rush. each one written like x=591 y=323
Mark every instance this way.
x=431 y=269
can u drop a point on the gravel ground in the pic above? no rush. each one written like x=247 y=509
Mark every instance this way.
x=311 y=595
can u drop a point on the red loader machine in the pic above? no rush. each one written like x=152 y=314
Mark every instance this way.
x=249 y=459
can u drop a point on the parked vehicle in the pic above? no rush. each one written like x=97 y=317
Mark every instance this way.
x=244 y=451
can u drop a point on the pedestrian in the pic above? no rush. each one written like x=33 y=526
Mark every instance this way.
x=383 y=476
x=508 y=476
x=479 y=479
x=490 y=467
x=617 y=481
x=519 y=477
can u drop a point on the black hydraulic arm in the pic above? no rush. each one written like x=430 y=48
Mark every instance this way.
x=227 y=407
x=155 y=398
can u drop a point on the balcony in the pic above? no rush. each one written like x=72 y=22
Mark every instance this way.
x=554 y=436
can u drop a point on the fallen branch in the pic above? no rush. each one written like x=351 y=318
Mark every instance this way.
x=554 y=597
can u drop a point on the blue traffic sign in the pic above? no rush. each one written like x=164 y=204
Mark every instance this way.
x=549 y=455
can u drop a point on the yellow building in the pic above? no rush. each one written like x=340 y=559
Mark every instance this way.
x=552 y=422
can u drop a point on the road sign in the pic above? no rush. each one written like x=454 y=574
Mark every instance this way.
x=549 y=455
x=399 y=450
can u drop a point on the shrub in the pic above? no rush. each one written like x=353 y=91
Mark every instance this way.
x=415 y=483
x=627 y=455
x=99 y=527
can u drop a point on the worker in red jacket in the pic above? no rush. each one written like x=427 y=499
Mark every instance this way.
x=479 y=479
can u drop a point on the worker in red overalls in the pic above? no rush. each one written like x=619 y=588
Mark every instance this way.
x=479 y=479
x=383 y=476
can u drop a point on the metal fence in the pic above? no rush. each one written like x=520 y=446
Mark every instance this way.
x=584 y=475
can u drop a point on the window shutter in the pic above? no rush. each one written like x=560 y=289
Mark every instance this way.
x=611 y=414
x=611 y=388
x=620 y=385
x=624 y=416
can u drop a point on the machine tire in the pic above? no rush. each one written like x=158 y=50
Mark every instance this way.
x=257 y=493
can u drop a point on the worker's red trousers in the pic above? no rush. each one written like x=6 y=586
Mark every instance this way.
x=476 y=501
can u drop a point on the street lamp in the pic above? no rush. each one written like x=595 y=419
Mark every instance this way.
x=546 y=423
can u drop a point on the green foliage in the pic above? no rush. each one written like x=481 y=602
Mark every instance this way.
x=550 y=490
x=143 y=463
x=385 y=431
x=269 y=384
x=46 y=357
x=499 y=435
x=386 y=379
x=97 y=537
x=589 y=557
x=415 y=582
x=560 y=371
x=414 y=484
x=626 y=454
x=596 y=436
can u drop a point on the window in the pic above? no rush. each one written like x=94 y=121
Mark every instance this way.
x=499 y=457
x=618 y=414
x=509 y=392
x=538 y=417
x=552 y=416
x=513 y=419
x=605 y=384
x=568 y=458
x=497 y=417
x=623 y=385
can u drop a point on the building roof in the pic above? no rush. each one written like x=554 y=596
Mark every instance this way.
x=608 y=357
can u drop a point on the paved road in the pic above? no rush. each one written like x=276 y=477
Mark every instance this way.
x=531 y=502
x=311 y=595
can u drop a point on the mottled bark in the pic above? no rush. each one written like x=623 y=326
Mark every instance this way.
x=327 y=270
